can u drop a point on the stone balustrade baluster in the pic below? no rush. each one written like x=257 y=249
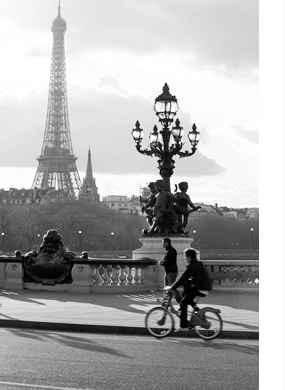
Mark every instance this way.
x=105 y=276
x=142 y=268
x=130 y=275
x=136 y=275
x=97 y=276
x=114 y=275
x=122 y=276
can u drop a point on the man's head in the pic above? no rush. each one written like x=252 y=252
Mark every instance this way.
x=189 y=254
x=166 y=242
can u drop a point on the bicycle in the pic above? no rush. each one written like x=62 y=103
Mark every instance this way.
x=207 y=322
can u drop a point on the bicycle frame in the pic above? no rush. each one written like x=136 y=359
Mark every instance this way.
x=194 y=319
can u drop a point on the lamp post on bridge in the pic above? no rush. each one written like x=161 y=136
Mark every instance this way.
x=3 y=241
x=112 y=240
x=167 y=142
x=194 y=240
x=38 y=241
x=80 y=239
x=251 y=231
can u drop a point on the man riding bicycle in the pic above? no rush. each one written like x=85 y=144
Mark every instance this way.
x=190 y=280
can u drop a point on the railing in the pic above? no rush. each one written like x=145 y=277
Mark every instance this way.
x=128 y=276
x=114 y=275
x=87 y=275
x=234 y=275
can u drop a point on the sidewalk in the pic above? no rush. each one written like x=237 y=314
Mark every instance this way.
x=115 y=313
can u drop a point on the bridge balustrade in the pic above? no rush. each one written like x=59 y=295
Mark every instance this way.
x=129 y=276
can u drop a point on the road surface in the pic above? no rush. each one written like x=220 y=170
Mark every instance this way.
x=31 y=359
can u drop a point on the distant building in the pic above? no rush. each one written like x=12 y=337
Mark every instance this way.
x=252 y=213
x=207 y=209
x=30 y=196
x=89 y=190
x=123 y=203
x=241 y=213
x=145 y=192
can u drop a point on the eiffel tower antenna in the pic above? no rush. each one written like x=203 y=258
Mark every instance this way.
x=57 y=168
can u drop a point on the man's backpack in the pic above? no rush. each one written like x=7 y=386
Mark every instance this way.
x=205 y=280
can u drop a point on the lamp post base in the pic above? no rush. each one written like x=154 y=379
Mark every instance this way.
x=151 y=248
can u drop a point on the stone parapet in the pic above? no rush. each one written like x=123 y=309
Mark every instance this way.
x=140 y=274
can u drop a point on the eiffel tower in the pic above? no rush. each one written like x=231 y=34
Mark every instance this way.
x=57 y=168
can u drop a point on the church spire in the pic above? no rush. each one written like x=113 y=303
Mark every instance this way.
x=89 y=172
x=89 y=189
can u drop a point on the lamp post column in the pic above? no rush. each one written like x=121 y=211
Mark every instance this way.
x=112 y=240
x=80 y=240
x=194 y=241
x=251 y=244
x=3 y=241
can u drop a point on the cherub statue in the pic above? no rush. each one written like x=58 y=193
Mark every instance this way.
x=165 y=216
x=183 y=205
x=149 y=204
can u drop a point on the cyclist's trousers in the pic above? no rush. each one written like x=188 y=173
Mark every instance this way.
x=187 y=299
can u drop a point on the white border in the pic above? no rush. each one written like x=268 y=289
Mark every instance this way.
x=272 y=194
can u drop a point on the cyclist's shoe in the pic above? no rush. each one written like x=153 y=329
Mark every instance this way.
x=182 y=330
x=161 y=321
x=173 y=310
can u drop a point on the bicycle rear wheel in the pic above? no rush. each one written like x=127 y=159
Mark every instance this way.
x=213 y=328
x=159 y=322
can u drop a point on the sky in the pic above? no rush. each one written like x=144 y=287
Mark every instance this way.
x=119 y=54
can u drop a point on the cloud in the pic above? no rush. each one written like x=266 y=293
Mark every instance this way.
x=216 y=32
x=101 y=118
x=250 y=134
x=221 y=34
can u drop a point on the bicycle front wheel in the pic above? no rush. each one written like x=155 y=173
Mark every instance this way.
x=159 y=322
x=212 y=328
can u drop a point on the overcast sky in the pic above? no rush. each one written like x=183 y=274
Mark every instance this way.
x=119 y=54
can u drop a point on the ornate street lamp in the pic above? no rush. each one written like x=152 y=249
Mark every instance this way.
x=167 y=142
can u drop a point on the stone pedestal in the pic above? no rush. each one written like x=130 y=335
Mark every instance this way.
x=152 y=248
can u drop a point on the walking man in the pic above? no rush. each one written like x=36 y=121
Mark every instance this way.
x=170 y=264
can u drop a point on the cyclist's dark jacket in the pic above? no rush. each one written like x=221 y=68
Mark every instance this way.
x=193 y=272
x=170 y=260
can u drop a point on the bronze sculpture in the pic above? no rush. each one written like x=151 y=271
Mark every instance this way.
x=52 y=264
x=168 y=213
x=149 y=204
x=183 y=205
